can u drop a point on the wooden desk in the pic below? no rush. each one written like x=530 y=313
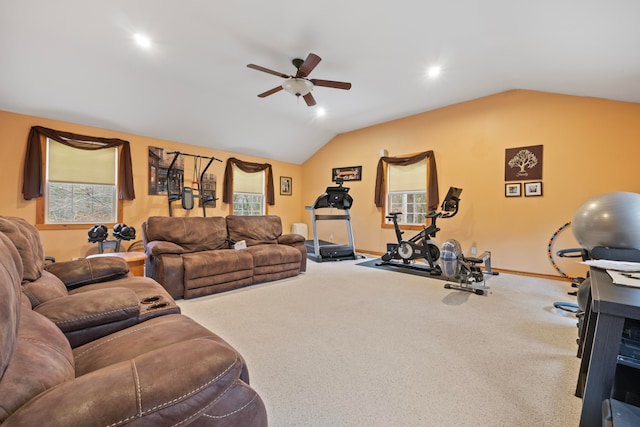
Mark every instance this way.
x=608 y=307
x=134 y=259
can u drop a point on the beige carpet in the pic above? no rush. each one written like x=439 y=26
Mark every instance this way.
x=346 y=345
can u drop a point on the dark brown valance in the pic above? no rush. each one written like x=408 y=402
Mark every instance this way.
x=249 y=167
x=33 y=183
x=433 y=199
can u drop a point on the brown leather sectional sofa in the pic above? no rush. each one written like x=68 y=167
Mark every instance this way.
x=193 y=256
x=86 y=343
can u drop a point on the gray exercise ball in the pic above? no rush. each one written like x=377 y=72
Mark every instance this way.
x=610 y=219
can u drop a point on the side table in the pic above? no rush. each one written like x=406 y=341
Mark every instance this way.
x=134 y=259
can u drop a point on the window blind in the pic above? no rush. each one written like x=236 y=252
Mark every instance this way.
x=245 y=182
x=407 y=178
x=68 y=164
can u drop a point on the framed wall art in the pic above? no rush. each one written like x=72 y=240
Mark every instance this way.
x=523 y=163
x=513 y=190
x=349 y=173
x=158 y=166
x=532 y=189
x=286 y=183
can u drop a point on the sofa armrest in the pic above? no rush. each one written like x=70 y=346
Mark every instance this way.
x=290 y=239
x=141 y=391
x=85 y=271
x=296 y=241
x=93 y=308
x=159 y=247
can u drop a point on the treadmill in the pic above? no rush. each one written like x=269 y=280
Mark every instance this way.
x=334 y=197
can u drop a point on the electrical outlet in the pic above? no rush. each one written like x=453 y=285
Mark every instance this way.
x=331 y=237
x=473 y=250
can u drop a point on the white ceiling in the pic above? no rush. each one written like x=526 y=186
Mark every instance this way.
x=75 y=61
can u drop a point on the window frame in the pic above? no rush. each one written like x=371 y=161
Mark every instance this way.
x=405 y=203
x=265 y=205
x=41 y=202
x=403 y=226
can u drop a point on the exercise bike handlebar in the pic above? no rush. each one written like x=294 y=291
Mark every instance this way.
x=446 y=206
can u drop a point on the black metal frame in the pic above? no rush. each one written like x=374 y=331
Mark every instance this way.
x=175 y=197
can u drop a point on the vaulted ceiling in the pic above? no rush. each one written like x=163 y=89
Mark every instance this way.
x=77 y=61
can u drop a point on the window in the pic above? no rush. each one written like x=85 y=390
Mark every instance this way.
x=248 y=192
x=407 y=192
x=80 y=185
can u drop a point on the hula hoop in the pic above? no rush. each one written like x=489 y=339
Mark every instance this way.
x=550 y=252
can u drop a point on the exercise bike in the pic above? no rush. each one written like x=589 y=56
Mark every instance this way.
x=465 y=272
x=421 y=246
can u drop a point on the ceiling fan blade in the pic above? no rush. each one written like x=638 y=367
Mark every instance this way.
x=308 y=98
x=270 y=92
x=330 y=83
x=266 y=70
x=308 y=65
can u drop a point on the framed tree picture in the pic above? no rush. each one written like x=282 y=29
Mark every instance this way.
x=523 y=163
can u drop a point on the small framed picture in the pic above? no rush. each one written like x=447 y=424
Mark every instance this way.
x=285 y=185
x=513 y=189
x=532 y=189
x=349 y=173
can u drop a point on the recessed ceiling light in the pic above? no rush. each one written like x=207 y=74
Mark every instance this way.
x=142 y=40
x=320 y=112
x=434 y=71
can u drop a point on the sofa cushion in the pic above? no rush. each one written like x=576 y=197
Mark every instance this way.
x=171 y=385
x=26 y=239
x=194 y=234
x=264 y=255
x=142 y=338
x=217 y=267
x=10 y=276
x=255 y=230
x=47 y=287
x=274 y=262
x=41 y=359
x=29 y=343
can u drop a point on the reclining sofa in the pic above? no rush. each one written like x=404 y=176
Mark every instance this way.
x=155 y=367
x=86 y=298
x=194 y=256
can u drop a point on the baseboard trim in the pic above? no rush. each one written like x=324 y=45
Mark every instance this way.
x=498 y=270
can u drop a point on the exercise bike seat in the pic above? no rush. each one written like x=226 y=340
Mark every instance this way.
x=392 y=215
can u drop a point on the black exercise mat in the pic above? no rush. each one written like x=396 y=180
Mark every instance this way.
x=413 y=268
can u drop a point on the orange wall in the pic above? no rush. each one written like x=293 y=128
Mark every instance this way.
x=67 y=244
x=591 y=146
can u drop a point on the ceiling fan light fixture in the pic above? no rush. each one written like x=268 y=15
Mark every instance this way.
x=297 y=86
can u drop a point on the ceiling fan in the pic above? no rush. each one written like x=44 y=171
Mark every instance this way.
x=300 y=84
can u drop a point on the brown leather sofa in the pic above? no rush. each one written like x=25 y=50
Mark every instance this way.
x=86 y=298
x=164 y=371
x=193 y=256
